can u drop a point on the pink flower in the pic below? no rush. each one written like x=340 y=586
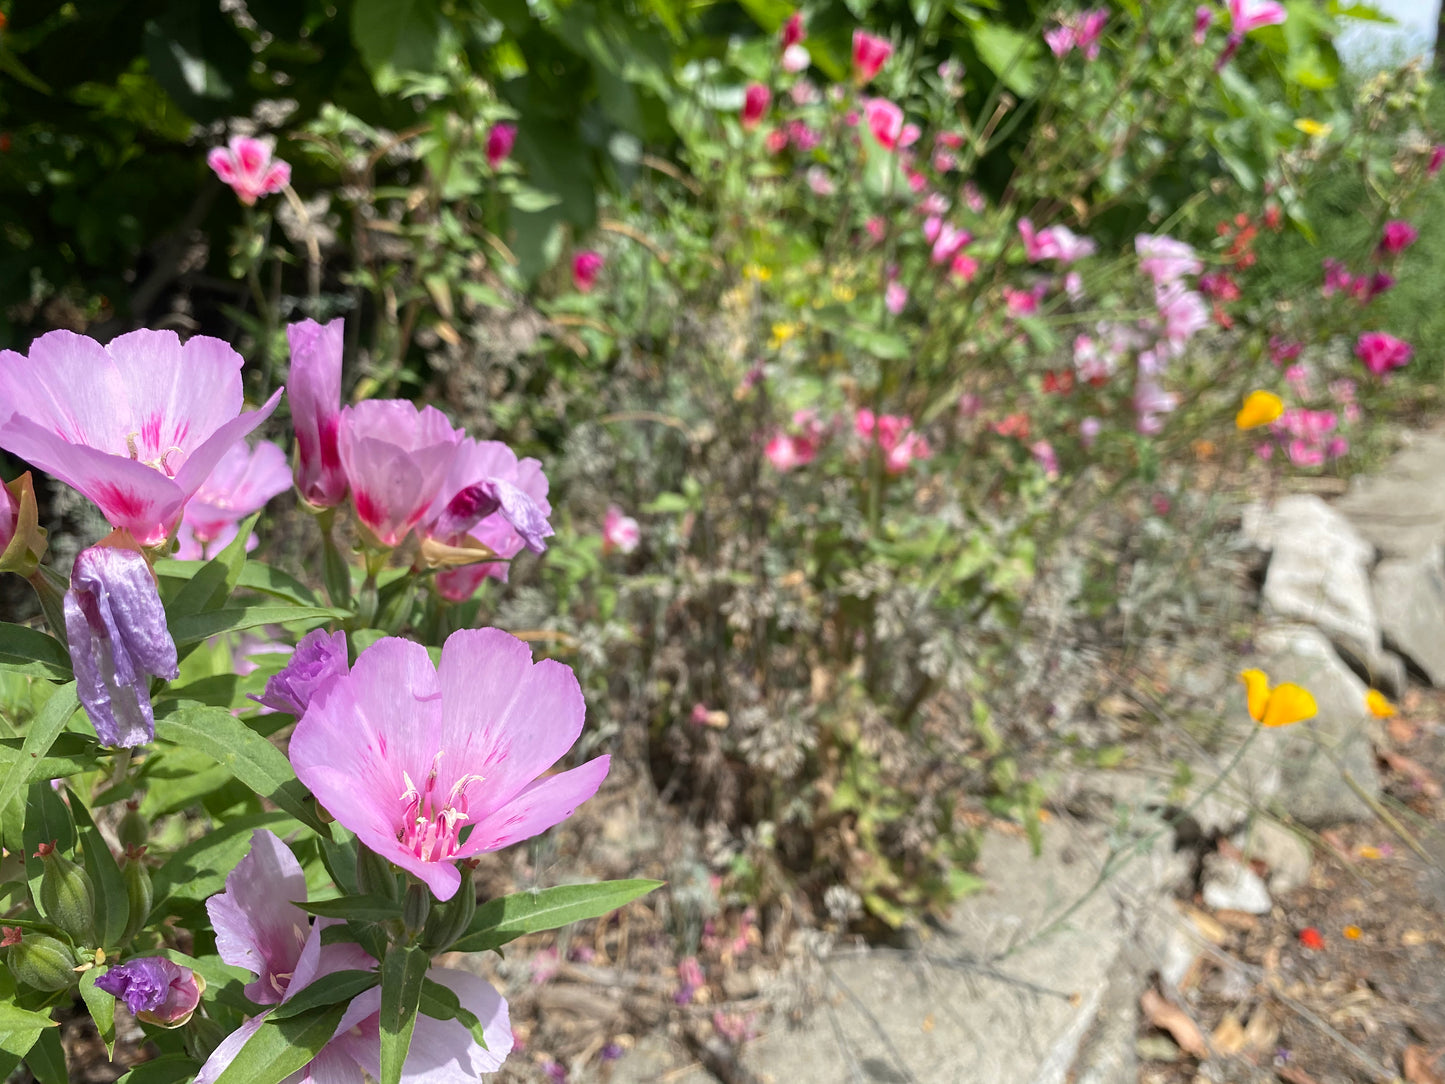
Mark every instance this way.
x=136 y=425
x=489 y=500
x=963 y=268
x=1164 y=259
x=1337 y=278
x=973 y=198
x=9 y=514
x=1437 y=159
x=895 y=297
x=776 y=141
x=1282 y=350
x=315 y=383
x=1381 y=352
x=793 y=30
x=430 y=765
x=247 y=165
x=910 y=447
x=118 y=641
x=755 y=104
x=1397 y=237
x=1203 y=19
x=619 y=532
x=155 y=989
x=242 y=482
x=1023 y=302
x=1089 y=29
x=1060 y=40
x=1184 y=313
x=819 y=181
x=885 y=121
x=1089 y=431
x=319 y=659
x=948 y=241
x=397 y=458
x=261 y=930
x=1249 y=15
x=1092 y=363
x=869 y=55
x=1045 y=456
x=786 y=452
x=796 y=59
x=586 y=266
x=1054 y=243
x=500 y=140
x=876 y=227
x=1151 y=401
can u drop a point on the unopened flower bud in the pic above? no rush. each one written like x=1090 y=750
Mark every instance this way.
x=67 y=898
x=156 y=990
x=22 y=539
x=449 y=921
x=42 y=962
x=139 y=894
x=133 y=830
x=415 y=907
x=375 y=876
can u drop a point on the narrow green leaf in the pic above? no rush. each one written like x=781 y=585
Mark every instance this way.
x=278 y=1049
x=327 y=990
x=354 y=908
x=193 y=628
x=166 y=1069
x=252 y=759
x=441 y=1003
x=509 y=917
x=101 y=1006
x=199 y=869
x=70 y=754
x=112 y=909
x=211 y=585
x=254 y=576
x=47 y=820
x=47 y=1059
x=402 y=974
x=44 y=729
x=30 y=651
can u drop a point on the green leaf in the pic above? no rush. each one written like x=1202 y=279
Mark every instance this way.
x=44 y=729
x=194 y=628
x=441 y=1003
x=101 y=1006
x=47 y=1058
x=166 y=1069
x=1007 y=53
x=30 y=651
x=47 y=820
x=199 y=869
x=211 y=584
x=502 y=920
x=400 y=35
x=254 y=576
x=402 y=974
x=278 y=1049
x=219 y=735
x=354 y=908
x=327 y=990
x=112 y=908
x=70 y=754
x=20 y=1028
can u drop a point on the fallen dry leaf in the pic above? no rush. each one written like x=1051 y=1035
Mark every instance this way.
x=1261 y=1034
x=1237 y=920
x=1209 y=928
x=1418 y=1069
x=1412 y=938
x=1169 y=1017
x=1228 y=1037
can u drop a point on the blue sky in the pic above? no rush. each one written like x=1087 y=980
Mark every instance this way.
x=1414 y=35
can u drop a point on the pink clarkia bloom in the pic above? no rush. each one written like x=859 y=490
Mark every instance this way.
x=155 y=989
x=1089 y=28
x=1089 y=430
x=803 y=93
x=315 y=383
x=430 y=765
x=1150 y=402
x=1282 y=350
x=1398 y=235
x=318 y=661
x=909 y=448
x=500 y=140
x=397 y=458
x=1298 y=378
x=260 y=929
x=1203 y=20
x=1246 y=16
x=1369 y=287
x=1164 y=259
x=241 y=483
x=1061 y=40
x=870 y=53
x=973 y=198
x=1381 y=352
x=948 y=242
x=1024 y=302
x=963 y=268
x=793 y=32
x=9 y=515
x=755 y=104
x=496 y=530
x=933 y=205
x=776 y=141
x=1337 y=278
x=136 y=425
x=1303 y=454
x=876 y=227
x=1337 y=447
x=819 y=181
x=248 y=166
x=895 y=297
x=1074 y=286
x=190 y=548
x=1045 y=456
x=885 y=121
x=1437 y=159
x=787 y=452
x=796 y=59
x=1054 y=243
x=1184 y=313
x=1092 y=363
x=944 y=161
x=586 y=266
x=619 y=532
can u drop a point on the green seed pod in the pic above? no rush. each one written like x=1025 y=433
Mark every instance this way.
x=374 y=875
x=139 y=895
x=448 y=922
x=67 y=898
x=43 y=962
x=133 y=830
x=415 y=907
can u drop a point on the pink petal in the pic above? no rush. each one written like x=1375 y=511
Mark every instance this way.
x=251 y=154
x=396 y=459
x=176 y=395
x=70 y=385
x=197 y=468
x=229 y=1047
x=258 y=925
x=223 y=163
x=545 y=803
x=507 y=719
x=443 y=1051
x=277 y=177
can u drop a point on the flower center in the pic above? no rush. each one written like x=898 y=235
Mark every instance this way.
x=431 y=827
x=159 y=463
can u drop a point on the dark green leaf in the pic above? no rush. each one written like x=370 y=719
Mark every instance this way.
x=112 y=910
x=278 y=1049
x=402 y=974
x=166 y=1069
x=44 y=729
x=47 y=1058
x=327 y=990
x=194 y=628
x=355 y=908
x=101 y=1006
x=502 y=920
x=30 y=651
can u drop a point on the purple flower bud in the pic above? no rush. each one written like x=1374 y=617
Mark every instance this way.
x=319 y=659
x=156 y=990
x=118 y=641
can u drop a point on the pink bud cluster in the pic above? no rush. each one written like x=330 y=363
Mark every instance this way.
x=895 y=435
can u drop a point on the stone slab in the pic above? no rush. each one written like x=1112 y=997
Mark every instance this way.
x=1410 y=599
x=1401 y=510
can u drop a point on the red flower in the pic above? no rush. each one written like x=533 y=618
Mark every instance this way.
x=1311 y=938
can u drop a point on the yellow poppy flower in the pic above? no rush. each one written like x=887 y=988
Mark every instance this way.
x=1260 y=408
x=1379 y=706
x=1282 y=705
x=1312 y=127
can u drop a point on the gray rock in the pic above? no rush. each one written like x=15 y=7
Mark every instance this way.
x=1401 y=510
x=1288 y=856
x=1107 y=1056
x=1410 y=599
x=1316 y=762
x=1229 y=886
x=1319 y=574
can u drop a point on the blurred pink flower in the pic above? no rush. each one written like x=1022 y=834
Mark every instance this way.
x=876 y=227
x=1045 y=456
x=1397 y=236
x=586 y=266
x=248 y=166
x=1282 y=350
x=1164 y=259
x=619 y=532
x=1203 y=19
x=1437 y=159
x=870 y=53
x=793 y=32
x=1089 y=431
x=755 y=104
x=1061 y=40
x=796 y=59
x=819 y=181
x=1249 y=15
x=1054 y=243
x=1381 y=352
x=895 y=297
x=1150 y=402
x=315 y=397
x=948 y=241
x=499 y=143
x=963 y=268
x=1089 y=28
x=885 y=121
x=1184 y=313
x=241 y=483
